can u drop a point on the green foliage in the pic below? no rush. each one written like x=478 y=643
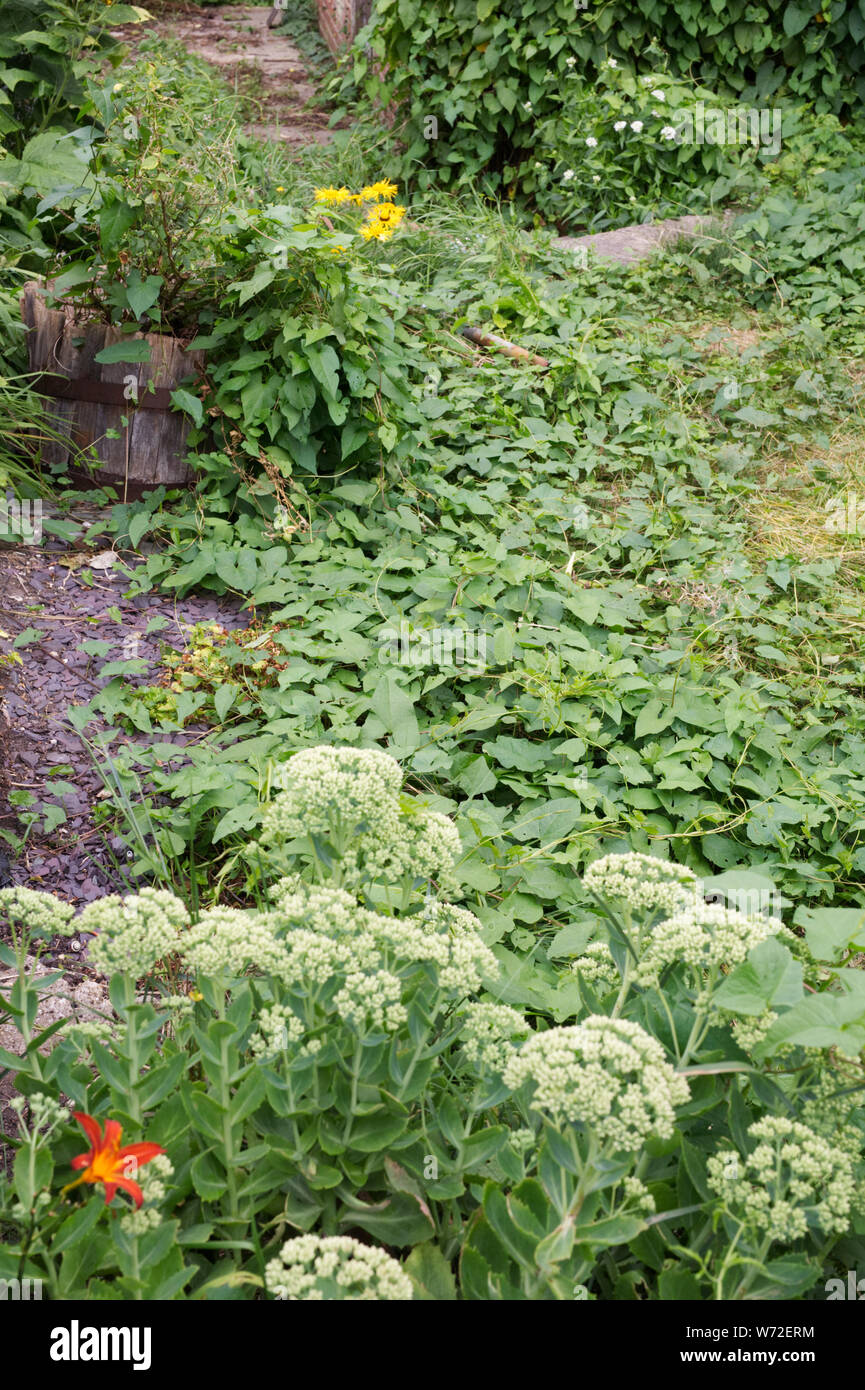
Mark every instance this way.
x=491 y=76
x=807 y=251
x=318 y=1065
x=305 y=350
x=644 y=678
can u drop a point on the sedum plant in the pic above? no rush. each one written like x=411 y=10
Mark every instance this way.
x=331 y=1094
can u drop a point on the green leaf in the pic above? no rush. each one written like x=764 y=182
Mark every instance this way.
x=129 y=350
x=431 y=1274
x=796 y=16
x=141 y=295
x=830 y=931
x=398 y=1221
x=29 y=635
x=395 y=709
x=78 y=1225
x=223 y=698
x=208 y=1177
x=769 y=978
x=189 y=404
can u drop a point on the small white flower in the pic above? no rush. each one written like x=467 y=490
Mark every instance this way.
x=567 y=175
x=668 y=133
x=569 y=62
x=527 y=106
x=620 y=125
x=596 y=178
x=637 y=126
x=611 y=63
x=591 y=141
x=658 y=94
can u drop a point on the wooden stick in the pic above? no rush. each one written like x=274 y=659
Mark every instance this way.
x=477 y=335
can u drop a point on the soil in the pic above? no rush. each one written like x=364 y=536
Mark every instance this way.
x=47 y=588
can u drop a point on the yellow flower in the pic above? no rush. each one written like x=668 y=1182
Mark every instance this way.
x=280 y=188
x=373 y=191
x=382 y=221
x=333 y=195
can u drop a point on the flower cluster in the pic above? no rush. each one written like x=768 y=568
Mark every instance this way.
x=488 y=1033
x=596 y=965
x=382 y=216
x=321 y=945
x=229 y=940
x=705 y=936
x=139 y=1220
x=637 y=1197
x=642 y=881
x=793 y=1179
x=337 y=197
x=382 y=221
x=371 y=1002
x=750 y=1032
x=348 y=802
x=45 y=1114
x=134 y=933
x=39 y=914
x=278 y=1026
x=335 y=1267
x=604 y=1073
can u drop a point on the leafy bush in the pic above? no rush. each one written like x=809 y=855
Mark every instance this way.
x=307 y=360
x=619 y=150
x=472 y=82
x=339 y=1058
x=138 y=240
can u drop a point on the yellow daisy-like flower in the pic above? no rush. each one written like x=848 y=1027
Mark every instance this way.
x=373 y=191
x=382 y=221
x=279 y=188
x=334 y=195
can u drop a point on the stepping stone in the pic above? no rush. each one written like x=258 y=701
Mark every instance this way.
x=628 y=245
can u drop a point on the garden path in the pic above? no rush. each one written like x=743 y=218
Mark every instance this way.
x=265 y=65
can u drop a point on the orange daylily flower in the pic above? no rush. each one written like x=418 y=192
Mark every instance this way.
x=107 y=1162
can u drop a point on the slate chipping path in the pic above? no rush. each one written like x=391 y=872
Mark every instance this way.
x=36 y=739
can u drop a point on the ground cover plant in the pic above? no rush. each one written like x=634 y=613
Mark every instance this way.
x=535 y=775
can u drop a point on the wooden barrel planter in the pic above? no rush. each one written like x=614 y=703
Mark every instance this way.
x=89 y=399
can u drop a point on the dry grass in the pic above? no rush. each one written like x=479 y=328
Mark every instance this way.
x=816 y=506
x=720 y=338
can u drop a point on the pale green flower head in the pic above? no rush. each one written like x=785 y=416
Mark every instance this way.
x=348 y=801
x=231 y=941
x=793 y=1179
x=705 y=936
x=36 y=913
x=325 y=932
x=596 y=965
x=135 y=932
x=488 y=1036
x=607 y=1074
x=152 y=1180
x=642 y=882
x=326 y=1268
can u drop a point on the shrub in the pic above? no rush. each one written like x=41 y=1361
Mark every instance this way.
x=472 y=82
